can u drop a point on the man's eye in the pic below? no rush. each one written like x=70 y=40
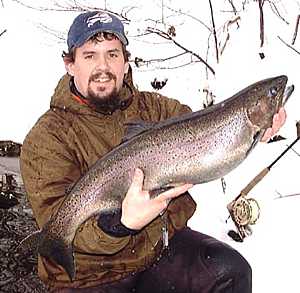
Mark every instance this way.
x=113 y=55
x=88 y=57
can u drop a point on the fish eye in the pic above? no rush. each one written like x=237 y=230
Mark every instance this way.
x=273 y=91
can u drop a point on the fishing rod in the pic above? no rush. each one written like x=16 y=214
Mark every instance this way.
x=245 y=212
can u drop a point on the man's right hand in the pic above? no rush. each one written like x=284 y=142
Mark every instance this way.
x=138 y=209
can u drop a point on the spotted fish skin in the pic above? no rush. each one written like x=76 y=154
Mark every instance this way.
x=194 y=148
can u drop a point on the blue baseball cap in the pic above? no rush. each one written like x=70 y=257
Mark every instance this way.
x=87 y=24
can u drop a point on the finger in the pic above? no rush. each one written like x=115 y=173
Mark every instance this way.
x=174 y=192
x=161 y=202
x=282 y=114
x=282 y=111
x=267 y=135
x=280 y=117
x=278 y=120
x=276 y=123
x=137 y=181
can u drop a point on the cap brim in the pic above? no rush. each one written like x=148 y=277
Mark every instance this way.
x=87 y=36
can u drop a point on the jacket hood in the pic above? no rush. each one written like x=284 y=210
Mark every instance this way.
x=63 y=98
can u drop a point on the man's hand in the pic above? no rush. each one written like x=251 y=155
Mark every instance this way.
x=278 y=121
x=138 y=209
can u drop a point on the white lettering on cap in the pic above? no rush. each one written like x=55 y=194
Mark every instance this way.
x=101 y=17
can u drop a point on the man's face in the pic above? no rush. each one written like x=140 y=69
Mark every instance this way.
x=98 y=69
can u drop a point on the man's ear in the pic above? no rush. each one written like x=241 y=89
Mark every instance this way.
x=126 y=67
x=69 y=65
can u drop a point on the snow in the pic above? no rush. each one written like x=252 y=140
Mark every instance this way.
x=31 y=67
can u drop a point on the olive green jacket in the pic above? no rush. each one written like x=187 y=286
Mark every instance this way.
x=59 y=149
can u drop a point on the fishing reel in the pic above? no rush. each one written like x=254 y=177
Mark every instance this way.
x=244 y=213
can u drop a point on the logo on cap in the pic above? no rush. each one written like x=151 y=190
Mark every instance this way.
x=101 y=17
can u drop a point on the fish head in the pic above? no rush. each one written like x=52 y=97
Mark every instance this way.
x=264 y=99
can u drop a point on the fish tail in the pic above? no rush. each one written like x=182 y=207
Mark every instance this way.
x=29 y=243
x=51 y=248
x=60 y=252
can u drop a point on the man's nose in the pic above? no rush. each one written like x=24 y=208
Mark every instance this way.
x=102 y=63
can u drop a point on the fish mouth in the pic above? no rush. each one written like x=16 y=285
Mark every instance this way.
x=287 y=93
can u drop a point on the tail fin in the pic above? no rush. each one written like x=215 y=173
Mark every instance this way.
x=29 y=243
x=60 y=252
x=51 y=248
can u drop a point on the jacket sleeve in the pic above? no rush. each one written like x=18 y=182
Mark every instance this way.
x=48 y=169
x=111 y=224
x=172 y=108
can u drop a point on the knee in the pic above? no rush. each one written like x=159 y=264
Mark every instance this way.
x=237 y=266
x=227 y=263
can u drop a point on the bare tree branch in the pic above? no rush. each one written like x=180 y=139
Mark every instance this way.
x=207 y=54
x=173 y=67
x=3 y=32
x=178 y=66
x=226 y=28
x=276 y=11
x=168 y=37
x=295 y=152
x=233 y=7
x=261 y=19
x=288 y=45
x=55 y=33
x=224 y=45
x=71 y=6
x=223 y=183
x=244 y=4
x=125 y=11
x=140 y=62
x=214 y=30
x=296 y=29
x=162 y=12
x=285 y=195
x=57 y=7
x=191 y=16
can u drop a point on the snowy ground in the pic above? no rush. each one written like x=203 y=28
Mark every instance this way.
x=31 y=66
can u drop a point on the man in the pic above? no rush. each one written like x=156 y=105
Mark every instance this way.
x=136 y=250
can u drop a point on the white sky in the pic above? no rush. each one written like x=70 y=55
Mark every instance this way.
x=31 y=66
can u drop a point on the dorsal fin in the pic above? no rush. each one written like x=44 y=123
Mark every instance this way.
x=135 y=128
x=69 y=188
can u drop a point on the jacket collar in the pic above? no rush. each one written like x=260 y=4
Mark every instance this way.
x=68 y=98
x=124 y=102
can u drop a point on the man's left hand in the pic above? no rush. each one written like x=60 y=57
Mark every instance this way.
x=278 y=121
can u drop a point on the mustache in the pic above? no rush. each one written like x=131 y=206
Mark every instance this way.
x=97 y=75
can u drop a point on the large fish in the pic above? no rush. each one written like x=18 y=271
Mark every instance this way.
x=194 y=148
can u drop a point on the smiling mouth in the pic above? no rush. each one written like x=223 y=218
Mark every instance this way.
x=102 y=79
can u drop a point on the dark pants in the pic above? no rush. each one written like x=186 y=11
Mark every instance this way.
x=195 y=263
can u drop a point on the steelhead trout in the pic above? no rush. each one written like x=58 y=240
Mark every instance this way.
x=194 y=148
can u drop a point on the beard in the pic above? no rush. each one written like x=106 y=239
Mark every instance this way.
x=103 y=103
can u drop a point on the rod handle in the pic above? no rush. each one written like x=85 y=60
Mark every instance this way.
x=254 y=181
